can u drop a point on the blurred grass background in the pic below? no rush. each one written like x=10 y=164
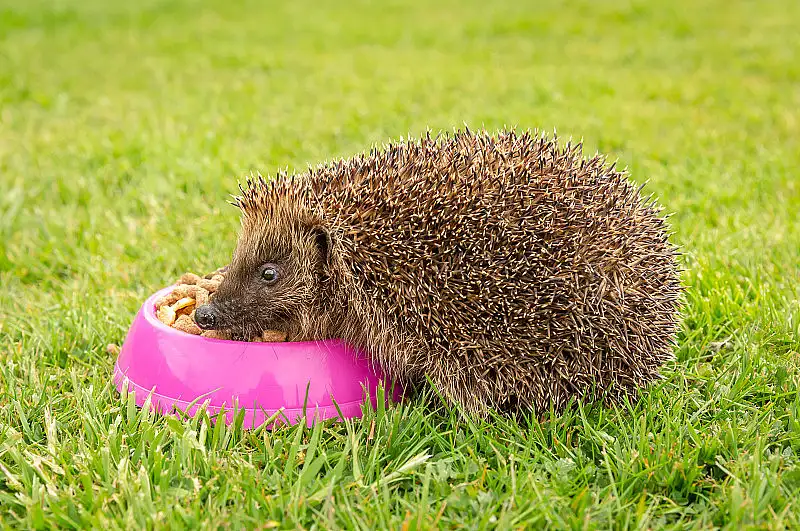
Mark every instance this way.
x=123 y=127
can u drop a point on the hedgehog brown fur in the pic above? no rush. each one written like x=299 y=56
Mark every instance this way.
x=512 y=272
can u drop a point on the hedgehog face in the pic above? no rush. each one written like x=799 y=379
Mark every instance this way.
x=272 y=284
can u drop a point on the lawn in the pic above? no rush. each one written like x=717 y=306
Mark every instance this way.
x=124 y=127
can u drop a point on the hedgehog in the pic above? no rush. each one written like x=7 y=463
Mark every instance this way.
x=510 y=272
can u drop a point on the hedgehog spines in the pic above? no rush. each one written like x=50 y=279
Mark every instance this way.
x=508 y=268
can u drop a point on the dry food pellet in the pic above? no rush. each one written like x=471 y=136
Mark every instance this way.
x=166 y=315
x=184 y=323
x=215 y=334
x=201 y=297
x=273 y=336
x=189 y=278
x=208 y=285
x=184 y=306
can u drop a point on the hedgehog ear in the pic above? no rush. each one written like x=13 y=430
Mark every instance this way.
x=322 y=239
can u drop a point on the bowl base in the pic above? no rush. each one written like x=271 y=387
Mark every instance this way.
x=253 y=417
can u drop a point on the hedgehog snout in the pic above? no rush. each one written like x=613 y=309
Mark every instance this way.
x=206 y=316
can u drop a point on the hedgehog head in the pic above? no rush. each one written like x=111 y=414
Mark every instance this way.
x=279 y=266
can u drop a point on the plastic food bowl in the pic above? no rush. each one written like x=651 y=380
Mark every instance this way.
x=185 y=371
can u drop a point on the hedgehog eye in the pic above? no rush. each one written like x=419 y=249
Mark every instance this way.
x=269 y=273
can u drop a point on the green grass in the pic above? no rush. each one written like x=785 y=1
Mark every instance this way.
x=123 y=127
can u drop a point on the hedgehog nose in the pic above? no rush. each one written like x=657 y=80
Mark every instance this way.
x=206 y=317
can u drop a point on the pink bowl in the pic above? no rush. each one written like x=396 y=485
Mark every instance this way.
x=259 y=378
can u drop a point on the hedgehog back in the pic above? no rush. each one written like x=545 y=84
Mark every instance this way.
x=526 y=272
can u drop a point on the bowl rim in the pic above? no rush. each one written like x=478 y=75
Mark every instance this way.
x=149 y=312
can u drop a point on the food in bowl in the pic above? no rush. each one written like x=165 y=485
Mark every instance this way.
x=176 y=308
